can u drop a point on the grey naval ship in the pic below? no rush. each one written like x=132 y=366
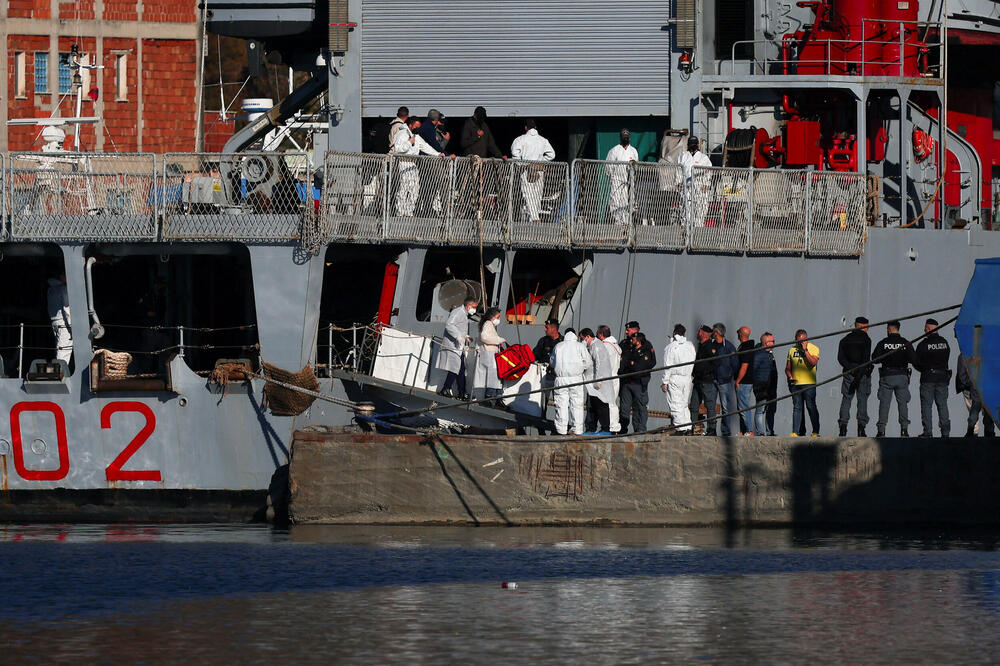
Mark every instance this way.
x=146 y=297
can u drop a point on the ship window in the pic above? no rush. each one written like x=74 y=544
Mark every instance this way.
x=450 y=275
x=352 y=287
x=542 y=285
x=144 y=296
x=26 y=332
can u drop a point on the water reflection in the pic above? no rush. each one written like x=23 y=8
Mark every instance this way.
x=392 y=594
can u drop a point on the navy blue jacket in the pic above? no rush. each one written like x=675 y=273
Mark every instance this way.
x=764 y=367
x=428 y=131
x=728 y=368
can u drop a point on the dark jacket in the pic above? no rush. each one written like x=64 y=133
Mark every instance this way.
x=900 y=356
x=728 y=368
x=704 y=371
x=428 y=131
x=963 y=381
x=473 y=144
x=544 y=348
x=764 y=369
x=636 y=360
x=855 y=349
x=933 y=353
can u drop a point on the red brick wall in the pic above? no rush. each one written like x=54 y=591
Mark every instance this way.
x=120 y=10
x=77 y=9
x=168 y=85
x=169 y=11
x=216 y=132
x=23 y=138
x=40 y=9
x=121 y=117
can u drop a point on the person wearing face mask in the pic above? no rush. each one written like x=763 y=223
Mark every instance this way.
x=451 y=357
x=619 y=201
x=570 y=361
x=485 y=376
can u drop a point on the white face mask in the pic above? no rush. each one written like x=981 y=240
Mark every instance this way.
x=471 y=311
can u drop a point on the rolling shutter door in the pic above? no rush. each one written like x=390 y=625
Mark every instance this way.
x=516 y=57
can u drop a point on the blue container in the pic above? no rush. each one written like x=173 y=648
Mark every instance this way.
x=978 y=331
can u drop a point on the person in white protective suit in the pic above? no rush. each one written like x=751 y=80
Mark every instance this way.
x=485 y=376
x=677 y=382
x=615 y=354
x=408 y=142
x=532 y=146
x=451 y=357
x=58 y=302
x=619 y=204
x=570 y=361
x=601 y=393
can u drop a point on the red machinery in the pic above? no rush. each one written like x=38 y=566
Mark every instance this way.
x=857 y=37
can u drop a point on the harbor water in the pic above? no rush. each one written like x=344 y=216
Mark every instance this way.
x=237 y=593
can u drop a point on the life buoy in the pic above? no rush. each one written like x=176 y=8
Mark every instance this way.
x=923 y=145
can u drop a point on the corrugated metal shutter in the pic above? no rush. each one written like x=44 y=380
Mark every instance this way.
x=516 y=57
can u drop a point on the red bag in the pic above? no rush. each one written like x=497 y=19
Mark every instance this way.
x=513 y=361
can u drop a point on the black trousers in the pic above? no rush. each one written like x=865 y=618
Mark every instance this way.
x=602 y=414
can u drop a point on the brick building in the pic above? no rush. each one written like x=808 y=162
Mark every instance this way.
x=146 y=95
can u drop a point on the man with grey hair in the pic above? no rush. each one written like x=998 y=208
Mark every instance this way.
x=725 y=372
x=619 y=201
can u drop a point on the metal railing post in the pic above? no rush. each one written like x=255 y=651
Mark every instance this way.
x=180 y=337
x=386 y=180
x=572 y=184
x=808 y=220
x=630 y=227
x=355 y=352
x=687 y=190
x=20 y=350
x=447 y=205
x=509 y=231
x=329 y=348
x=750 y=211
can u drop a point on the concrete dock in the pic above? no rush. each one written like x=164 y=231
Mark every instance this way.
x=345 y=478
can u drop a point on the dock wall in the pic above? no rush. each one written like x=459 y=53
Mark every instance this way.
x=649 y=480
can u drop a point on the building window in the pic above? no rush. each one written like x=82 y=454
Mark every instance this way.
x=121 y=77
x=65 y=75
x=41 y=72
x=20 y=79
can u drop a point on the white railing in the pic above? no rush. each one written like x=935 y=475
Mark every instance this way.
x=369 y=198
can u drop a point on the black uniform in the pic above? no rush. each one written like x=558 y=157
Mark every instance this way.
x=633 y=397
x=855 y=350
x=704 y=389
x=544 y=348
x=932 y=361
x=894 y=379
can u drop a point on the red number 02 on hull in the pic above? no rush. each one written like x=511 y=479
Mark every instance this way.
x=113 y=472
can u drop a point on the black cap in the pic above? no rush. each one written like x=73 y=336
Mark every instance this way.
x=552 y=321
x=632 y=324
x=932 y=322
x=693 y=142
x=705 y=328
x=861 y=320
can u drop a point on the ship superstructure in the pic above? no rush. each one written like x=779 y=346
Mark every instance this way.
x=822 y=121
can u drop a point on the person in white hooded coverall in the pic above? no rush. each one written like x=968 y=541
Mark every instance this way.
x=619 y=201
x=408 y=142
x=601 y=393
x=677 y=382
x=533 y=147
x=570 y=361
x=615 y=354
x=58 y=302
x=689 y=160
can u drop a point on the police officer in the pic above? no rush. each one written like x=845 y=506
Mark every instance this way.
x=855 y=350
x=894 y=377
x=932 y=361
x=637 y=356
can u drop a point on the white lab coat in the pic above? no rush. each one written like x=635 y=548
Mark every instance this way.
x=485 y=375
x=690 y=161
x=394 y=126
x=456 y=333
x=408 y=186
x=570 y=361
x=532 y=146
x=618 y=201
x=697 y=181
x=678 y=380
x=615 y=356
x=58 y=302
x=601 y=367
x=670 y=177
